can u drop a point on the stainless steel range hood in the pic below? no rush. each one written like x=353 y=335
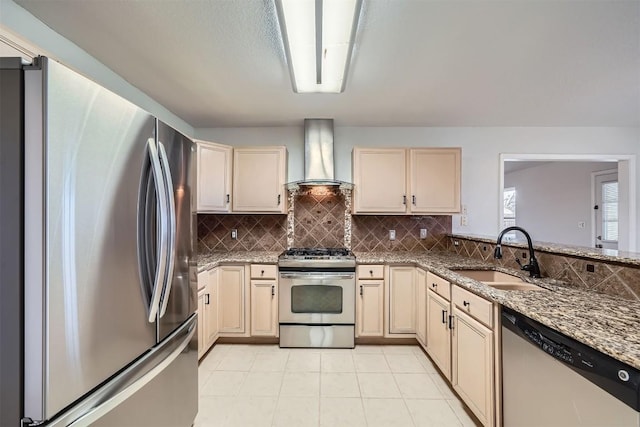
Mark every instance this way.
x=319 y=167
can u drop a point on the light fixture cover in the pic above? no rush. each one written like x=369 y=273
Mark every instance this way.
x=301 y=32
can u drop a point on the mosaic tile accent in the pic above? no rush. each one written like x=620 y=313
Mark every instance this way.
x=255 y=233
x=348 y=227
x=371 y=232
x=607 y=277
x=291 y=198
x=319 y=214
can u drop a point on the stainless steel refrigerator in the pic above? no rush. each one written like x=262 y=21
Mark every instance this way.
x=98 y=292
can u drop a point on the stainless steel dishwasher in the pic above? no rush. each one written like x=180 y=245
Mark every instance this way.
x=550 y=380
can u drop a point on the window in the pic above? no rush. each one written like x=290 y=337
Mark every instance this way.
x=509 y=207
x=610 y=211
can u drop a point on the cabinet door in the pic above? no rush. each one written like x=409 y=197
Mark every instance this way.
x=264 y=308
x=472 y=370
x=211 y=308
x=370 y=308
x=231 y=299
x=213 y=177
x=259 y=176
x=402 y=300
x=421 y=302
x=379 y=176
x=439 y=342
x=434 y=180
x=201 y=323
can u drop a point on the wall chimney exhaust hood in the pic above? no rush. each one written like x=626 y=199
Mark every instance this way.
x=318 y=155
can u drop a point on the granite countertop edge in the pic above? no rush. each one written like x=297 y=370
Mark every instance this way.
x=608 y=324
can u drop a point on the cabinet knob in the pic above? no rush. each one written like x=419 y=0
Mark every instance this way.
x=371 y=272
x=413 y=200
x=450 y=321
x=360 y=290
x=273 y=290
x=206 y=299
x=404 y=199
x=444 y=316
x=228 y=198
x=466 y=303
x=434 y=285
x=262 y=272
x=279 y=199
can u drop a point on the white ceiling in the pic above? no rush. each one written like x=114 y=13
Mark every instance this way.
x=416 y=63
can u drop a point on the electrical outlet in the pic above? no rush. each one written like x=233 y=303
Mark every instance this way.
x=392 y=234
x=464 y=210
x=456 y=243
x=423 y=233
x=463 y=220
x=234 y=234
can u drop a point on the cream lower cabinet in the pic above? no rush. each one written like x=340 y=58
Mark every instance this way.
x=213 y=182
x=207 y=310
x=439 y=336
x=259 y=175
x=370 y=301
x=421 y=306
x=473 y=357
x=232 y=301
x=401 y=300
x=264 y=300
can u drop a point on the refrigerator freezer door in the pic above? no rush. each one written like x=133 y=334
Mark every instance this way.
x=86 y=315
x=181 y=299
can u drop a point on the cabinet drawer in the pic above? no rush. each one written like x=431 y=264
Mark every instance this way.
x=370 y=272
x=264 y=271
x=476 y=306
x=439 y=285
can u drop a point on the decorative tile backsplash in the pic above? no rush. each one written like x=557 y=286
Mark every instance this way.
x=608 y=278
x=371 y=233
x=319 y=218
x=255 y=232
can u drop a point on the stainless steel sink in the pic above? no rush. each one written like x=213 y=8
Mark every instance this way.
x=489 y=276
x=517 y=286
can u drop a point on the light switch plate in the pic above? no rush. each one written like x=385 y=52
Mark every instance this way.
x=392 y=234
x=423 y=233
x=234 y=234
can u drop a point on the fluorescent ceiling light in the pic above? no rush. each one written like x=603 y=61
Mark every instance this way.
x=318 y=40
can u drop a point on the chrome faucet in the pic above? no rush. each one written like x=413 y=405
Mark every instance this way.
x=533 y=268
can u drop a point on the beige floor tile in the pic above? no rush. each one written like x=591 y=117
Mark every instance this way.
x=261 y=384
x=223 y=383
x=341 y=412
x=203 y=376
x=252 y=412
x=339 y=384
x=386 y=413
x=444 y=386
x=432 y=413
x=399 y=349
x=461 y=412
x=301 y=361
x=417 y=386
x=270 y=348
x=301 y=384
x=404 y=363
x=297 y=412
x=371 y=363
x=368 y=349
x=378 y=385
x=237 y=361
x=271 y=361
x=212 y=359
x=213 y=411
x=426 y=362
x=337 y=362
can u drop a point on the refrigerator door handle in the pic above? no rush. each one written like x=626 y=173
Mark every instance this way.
x=164 y=229
x=125 y=384
x=171 y=209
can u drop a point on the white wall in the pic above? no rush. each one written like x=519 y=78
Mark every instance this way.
x=481 y=149
x=553 y=197
x=16 y=21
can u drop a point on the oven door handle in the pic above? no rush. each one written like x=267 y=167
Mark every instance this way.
x=316 y=276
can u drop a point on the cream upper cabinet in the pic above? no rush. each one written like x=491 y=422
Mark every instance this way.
x=259 y=175
x=232 y=300
x=434 y=180
x=421 y=306
x=439 y=337
x=402 y=300
x=406 y=181
x=379 y=177
x=214 y=164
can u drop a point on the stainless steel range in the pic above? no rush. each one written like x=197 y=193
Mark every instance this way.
x=317 y=298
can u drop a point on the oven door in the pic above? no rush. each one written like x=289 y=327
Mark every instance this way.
x=317 y=298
